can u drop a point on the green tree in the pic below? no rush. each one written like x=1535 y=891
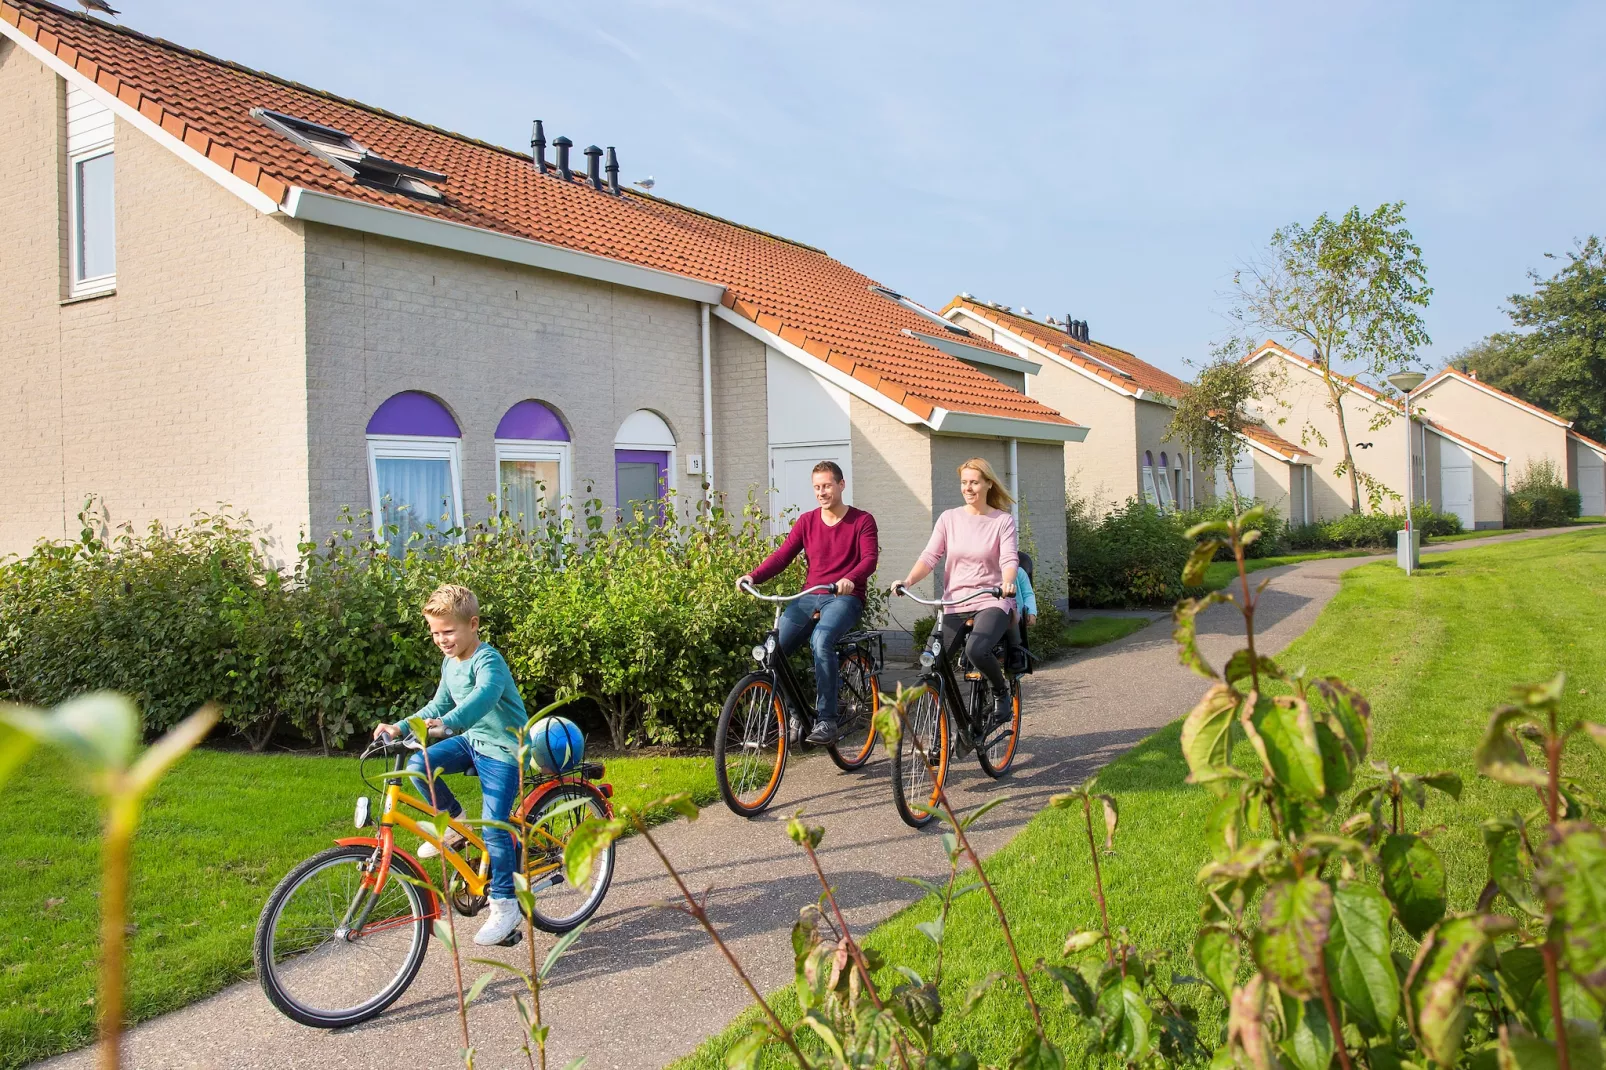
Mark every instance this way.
x=1209 y=419
x=1351 y=289
x=1560 y=363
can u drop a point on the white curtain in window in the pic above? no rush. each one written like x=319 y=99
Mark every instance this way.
x=530 y=488
x=1150 y=494
x=415 y=494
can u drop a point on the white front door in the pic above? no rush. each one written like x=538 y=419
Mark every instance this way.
x=792 y=479
x=1455 y=482
x=1591 y=482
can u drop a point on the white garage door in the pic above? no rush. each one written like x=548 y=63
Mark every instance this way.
x=1591 y=482
x=792 y=479
x=1455 y=482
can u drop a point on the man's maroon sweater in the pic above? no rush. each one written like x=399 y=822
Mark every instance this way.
x=846 y=550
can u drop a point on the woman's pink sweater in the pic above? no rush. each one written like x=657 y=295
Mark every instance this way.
x=977 y=550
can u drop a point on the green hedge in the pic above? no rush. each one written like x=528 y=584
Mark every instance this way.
x=1367 y=530
x=1131 y=556
x=642 y=619
x=1540 y=499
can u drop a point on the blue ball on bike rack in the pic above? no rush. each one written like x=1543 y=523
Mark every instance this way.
x=557 y=746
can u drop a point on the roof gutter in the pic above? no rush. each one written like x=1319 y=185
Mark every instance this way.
x=946 y=422
x=1058 y=358
x=314 y=207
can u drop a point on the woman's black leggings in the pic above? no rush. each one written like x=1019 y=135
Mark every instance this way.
x=988 y=632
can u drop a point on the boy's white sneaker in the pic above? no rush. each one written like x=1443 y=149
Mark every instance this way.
x=453 y=840
x=505 y=917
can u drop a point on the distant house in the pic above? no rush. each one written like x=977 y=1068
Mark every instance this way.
x=1453 y=473
x=224 y=286
x=1527 y=433
x=1129 y=403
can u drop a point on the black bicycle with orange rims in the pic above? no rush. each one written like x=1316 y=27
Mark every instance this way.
x=941 y=720
x=769 y=712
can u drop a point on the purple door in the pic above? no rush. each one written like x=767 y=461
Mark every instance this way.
x=639 y=476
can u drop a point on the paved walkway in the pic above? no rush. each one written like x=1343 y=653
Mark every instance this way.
x=643 y=987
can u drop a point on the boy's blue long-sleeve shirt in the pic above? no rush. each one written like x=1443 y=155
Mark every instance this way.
x=477 y=699
x=1025 y=597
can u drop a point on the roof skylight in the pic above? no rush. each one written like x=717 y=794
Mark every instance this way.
x=918 y=309
x=342 y=150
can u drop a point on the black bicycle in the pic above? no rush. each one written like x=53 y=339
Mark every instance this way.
x=768 y=713
x=940 y=713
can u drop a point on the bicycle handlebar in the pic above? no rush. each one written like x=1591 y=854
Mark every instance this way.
x=990 y=592
x=750 y=589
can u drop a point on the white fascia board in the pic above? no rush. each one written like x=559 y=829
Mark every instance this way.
x=1587 y=444
x=227 y=179
x=1298 y=458
x=945 y=422
x=333 y=211
x=975 y=354
x=1380 y=399
x=1049 y=354
x=819 y=367
x=1445 y=377
x=1459 y=441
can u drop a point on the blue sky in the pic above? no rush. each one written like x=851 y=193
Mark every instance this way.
x=1113 y=162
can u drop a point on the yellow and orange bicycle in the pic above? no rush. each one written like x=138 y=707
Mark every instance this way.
x=344 y=933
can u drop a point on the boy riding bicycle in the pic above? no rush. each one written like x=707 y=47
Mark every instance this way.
x=841 y=545
x=478 y=711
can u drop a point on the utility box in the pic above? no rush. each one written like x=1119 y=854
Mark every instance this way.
x=1408 y=553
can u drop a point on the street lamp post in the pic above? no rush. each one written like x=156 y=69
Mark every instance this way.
x=1405 y=382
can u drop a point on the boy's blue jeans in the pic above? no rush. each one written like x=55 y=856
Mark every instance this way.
x=838 y=614
x=499 y=788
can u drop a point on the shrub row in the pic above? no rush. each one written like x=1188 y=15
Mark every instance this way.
x=1367 y=530
x=1540 y=499
x=642 y=619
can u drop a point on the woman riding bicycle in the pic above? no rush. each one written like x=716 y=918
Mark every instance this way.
x=841 y=546
x=978 y=542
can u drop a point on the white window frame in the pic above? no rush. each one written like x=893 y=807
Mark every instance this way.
x=100 y=284
x=526 y=449
x=413 y=447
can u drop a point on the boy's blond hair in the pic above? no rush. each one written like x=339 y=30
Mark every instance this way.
x=451 y=600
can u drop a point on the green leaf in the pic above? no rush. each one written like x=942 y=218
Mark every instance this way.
x=802 y=834
x=1036 y=1053
x=978 y=991
x=477 y=987
x=1597 y=732
x=1509 y=865
x=1500 y=757
x=1077 y=991
x=1207 y=738
x=1240 y=667
x=1081 y=941
x=1446 y=781
x=1338 y=768
x=564 y=943
x=1359 y=968
x=1127 y=1018
x=15 y=746
x=1215 y=949
x=1439 y=995
x=743 y=1055
x=980 y=811
x=179 y=741
x=1349 y=712
x=1521 y=969
x=1413 y=879
x=1112 y=817
x=1295 y=918
x=585 y=843
x=1193 y=573
x=1207 y=527
x=1574 y=880
x=443 y=933
x=932 y=929
x=1223 y=827
x=99 y=731
x=1285 y=738
x=1186 y=636
x=1526 y=1052
x=1308 y=1042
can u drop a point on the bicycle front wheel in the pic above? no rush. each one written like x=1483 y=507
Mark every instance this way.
x=559 y=905
x=856 y=704
x=920 y=765
x=331 y=953
x=996 y=753
x=750 y=745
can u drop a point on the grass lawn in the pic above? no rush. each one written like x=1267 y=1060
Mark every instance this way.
x=1219 y=574
x=219 y=832
x=1096 y=631
x=1434 y=653
x=1465 y=535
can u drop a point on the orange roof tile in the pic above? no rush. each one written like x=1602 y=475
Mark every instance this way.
x=205 y=103
x=1300 y=358
x=1474 y=381
x=1143 y=376
x=1272 y=440
x=1599 y=447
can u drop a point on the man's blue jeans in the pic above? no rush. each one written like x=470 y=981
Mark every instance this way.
x=499 y=788
x=838 y=614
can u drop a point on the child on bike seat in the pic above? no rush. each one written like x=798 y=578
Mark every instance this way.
x=1025 y=602
x=478 y=710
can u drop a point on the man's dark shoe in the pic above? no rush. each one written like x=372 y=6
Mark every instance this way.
x=825 y=732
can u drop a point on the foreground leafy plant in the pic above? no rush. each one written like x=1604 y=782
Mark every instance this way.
x=1306 y=901
x=100 y=733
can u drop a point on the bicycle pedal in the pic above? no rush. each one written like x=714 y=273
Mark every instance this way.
x=512 y=939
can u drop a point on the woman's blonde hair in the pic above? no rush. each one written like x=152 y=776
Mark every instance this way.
x=997 y=496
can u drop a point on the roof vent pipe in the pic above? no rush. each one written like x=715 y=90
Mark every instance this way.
x=538 y=146
x=594 y=166
x=563 y=144
x=613 y=171
x=1069 y=325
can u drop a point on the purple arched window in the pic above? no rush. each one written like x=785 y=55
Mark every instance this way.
x=1148 y=458
x=1163 y=463
x=413 y=469
x=415 y=414
x=532 y=462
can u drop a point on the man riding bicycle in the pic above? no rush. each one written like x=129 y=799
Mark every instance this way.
x=841 y=546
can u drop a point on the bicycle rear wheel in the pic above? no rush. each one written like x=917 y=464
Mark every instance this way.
x=920 y=765
x=996 y=753
x=857 y=701
x=750 y=745
x=313 y=967
x=559 y=905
